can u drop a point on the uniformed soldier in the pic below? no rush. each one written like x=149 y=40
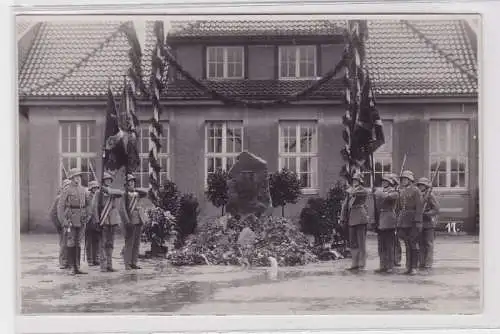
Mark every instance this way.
x=430 y=213
x=355 y=212
x=92 y=231
x=63 y=260
x=397 y=240
x=105 y=212
x=132 y=217
x=386 y=203
x=410 y=219
x=73 y=212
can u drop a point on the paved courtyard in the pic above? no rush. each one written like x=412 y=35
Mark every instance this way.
x=323 y=288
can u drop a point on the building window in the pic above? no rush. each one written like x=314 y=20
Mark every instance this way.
x=298 y=151
x=77 y=149
x=297 y=62
x=225 y=62
x=223 y=143
x=382 y=158
x=449 y=153
x=142 y=173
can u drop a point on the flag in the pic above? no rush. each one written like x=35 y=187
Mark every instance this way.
x=129 y=122
x=114 y=154
x=368 y=133
x=363 y=132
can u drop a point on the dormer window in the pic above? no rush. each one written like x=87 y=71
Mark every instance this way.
x=297 y=62
x=225 y=62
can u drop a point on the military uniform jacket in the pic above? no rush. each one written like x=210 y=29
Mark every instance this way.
x=110 y=204
x=354 y=208
x=431 y=210
x=386 y=204
x=73 y=206
x=410 y=206
x=134 y=215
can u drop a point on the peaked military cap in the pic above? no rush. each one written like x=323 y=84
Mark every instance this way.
x=107 y=176
x=74 y=172
x=130 y=177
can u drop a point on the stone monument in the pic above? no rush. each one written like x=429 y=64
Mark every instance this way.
x=248 y=186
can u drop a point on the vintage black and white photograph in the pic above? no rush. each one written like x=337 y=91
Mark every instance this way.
x=248 y=164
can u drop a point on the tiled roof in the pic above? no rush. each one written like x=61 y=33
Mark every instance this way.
x=399 y=60
x=253 y=89
x=204 y=28
x=71 y=58
x=402 y=63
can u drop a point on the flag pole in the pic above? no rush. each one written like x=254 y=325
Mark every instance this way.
x=372 y=176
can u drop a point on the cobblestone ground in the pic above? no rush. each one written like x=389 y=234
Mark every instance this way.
x=324 y=288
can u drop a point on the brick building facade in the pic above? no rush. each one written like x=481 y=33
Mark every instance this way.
x=425 y=95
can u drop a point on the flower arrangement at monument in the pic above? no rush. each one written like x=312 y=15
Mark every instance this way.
x=216 y=243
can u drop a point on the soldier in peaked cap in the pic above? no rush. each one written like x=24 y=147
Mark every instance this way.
x=72 y=211
x=354 y=210
x=386 y=201
x=430 y=213
x=410 y=219
x=63 y=259
x=397 y=240
x=132 y=219
x=92 y=231
x=105 y=213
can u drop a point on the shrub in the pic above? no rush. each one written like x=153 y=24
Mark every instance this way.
x=169 y=197
x=284 y=187
x=217 y=189
x=320 y=217
x=334 y=199
x=187 y=217
x=160 y=227
x=314 y=220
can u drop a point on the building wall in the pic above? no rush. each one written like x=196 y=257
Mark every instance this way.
x=24 y=162
x=187 y=145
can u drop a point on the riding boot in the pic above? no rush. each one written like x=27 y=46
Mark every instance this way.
x=414 y=262
x=76 y=264
x=70 y=257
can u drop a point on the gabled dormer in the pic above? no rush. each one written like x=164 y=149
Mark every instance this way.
x=257 y=50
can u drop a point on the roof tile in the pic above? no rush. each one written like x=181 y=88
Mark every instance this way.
x=205 y=28
x=75 y=59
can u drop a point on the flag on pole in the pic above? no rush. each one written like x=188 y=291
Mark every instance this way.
x=130 y=123
x=363 y=132
x=114 y=154
x=368 y=134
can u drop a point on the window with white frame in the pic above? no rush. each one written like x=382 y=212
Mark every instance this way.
x=298 y=151
x=225 y=62
x=449 y=143
x=77 y=149
x=223 y=143
x=142 y=174
x=382 y=158
x=297 y=62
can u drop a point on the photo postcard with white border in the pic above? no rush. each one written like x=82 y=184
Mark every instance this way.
x=232 y=165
